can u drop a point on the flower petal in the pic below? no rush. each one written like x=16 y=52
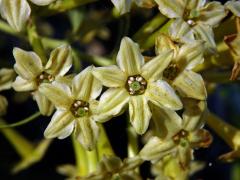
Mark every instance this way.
x=173 y=8
x=185 y=155
x=85 y=86
x=42 y=2
x=204 y=32
x=234 y=7
x=165 y=43
x=110 y=76
x=200 y=138
x=6 y=78
x=60 y=61
x=180 y=31
x=15 y=12
x=212 y=14
x=195 y=4
x=45 y=106
x=190 y=84
x=129 y=58
x=167 y=122
x=190 y=55
x=21 y=84
x=58 y=94
x=155 y=67
x=155 y=149
x=61 y=121
x=139 y=113
x=111 y=103
x=28 y=64
x=194 y=115
x=123 y=6
x=87 y=132
x=161 y=94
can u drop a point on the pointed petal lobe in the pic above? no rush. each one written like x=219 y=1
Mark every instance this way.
x=85 y=86
x=60 y=61
x=161 y=94
x=139 y=113
x=129 y=58
x=110 y=76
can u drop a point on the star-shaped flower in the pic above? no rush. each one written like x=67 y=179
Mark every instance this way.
x=177 y=136
x=76 y=106
x=200 y=15
x=179 y=72
x=124 y=6
x=17 y=12
x=135 y=83
x=32 y=73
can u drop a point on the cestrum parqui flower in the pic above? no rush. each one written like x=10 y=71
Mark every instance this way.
x=32 y=73
x=198 y=14
x=177 y=136
x=124 y=6
x=135 y=83
x=179 y=73
x=17 y=12
x=76 y=106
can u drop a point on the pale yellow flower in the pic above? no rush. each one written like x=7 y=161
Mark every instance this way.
x=32 y=73
x=17 y=12
x=201 y=17
x=76 y=106
x=177 y=136
x=179 y=72
x=135 y=83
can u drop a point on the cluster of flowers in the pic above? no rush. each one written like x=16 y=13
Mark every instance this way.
x=157 y=88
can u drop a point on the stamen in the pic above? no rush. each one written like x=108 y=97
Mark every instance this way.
x=80 y=108
x=180 y=136
x=136 y=85
x=45 y=78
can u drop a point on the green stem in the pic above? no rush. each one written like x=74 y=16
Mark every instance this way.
x=104 y=146
x=148 y=28
x=36 y=41
x=22 y=122
x=20 y=144
x=132 y=142
x=229 y=133
x=81 y=158
x=92 y=157
x=150 y=41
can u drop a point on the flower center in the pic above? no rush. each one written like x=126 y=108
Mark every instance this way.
x=190 y=16
x=80 y=108
x=180 y=137
x=171 y=71
x=45 y=78
x=136 y=85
